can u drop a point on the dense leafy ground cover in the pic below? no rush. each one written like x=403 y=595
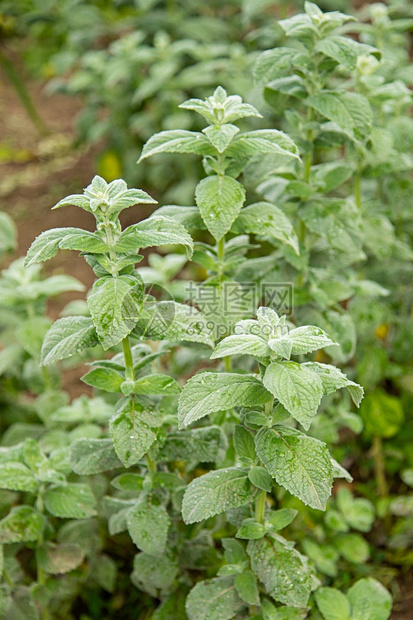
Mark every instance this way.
x=197 y=480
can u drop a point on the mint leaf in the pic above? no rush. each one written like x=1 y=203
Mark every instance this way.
x=215 y=599
x=215 y=492
x=148 y=527
x=68 y=336
x=210 y=392
x=296 y=388
x=114 y=304
x=299 y=463
x=73 y=501
x=281 y=569
x=219 y=199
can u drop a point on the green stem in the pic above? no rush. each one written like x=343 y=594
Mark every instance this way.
x=221 y=257
x=260 y=506
x=24 y=95
x=228 y=363
x=41 y=575
x=379 y=467
x=357 y=189
x=127 y=355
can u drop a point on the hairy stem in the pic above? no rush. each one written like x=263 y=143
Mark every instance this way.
x=127 y=355
x=260 y=506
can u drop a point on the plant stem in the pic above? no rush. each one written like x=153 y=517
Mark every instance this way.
x=41 y=576
x=260 y=506
x=379 y=467
x=127 y=355
x=23 y=94
x=357 y=189
x=221 y=257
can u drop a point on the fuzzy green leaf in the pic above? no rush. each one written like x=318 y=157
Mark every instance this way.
x=333 y=379
x=215 y=492
x=242 y=344
x=132 y=437
x=68 y=336
x=59 y=559
x=148 y=527
x=296 y=388
x=156 y=384
x=210 y=392
x=73 y=501
x=177 y=141
x=369 y=600
x=105 y=379
x=115 y=305
x=156 y=230
x=266 y=220
x=17 y=477
x=22 y=524
x=281 y=569
x=215 y=599
x=299 y=463
x=93 y=456
x=332 y=604
x=206 y=444
x=219 y=199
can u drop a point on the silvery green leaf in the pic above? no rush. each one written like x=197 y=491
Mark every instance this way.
x=46 y=245
x=59 y=559
x=114 y=304
x=71 y=501
x=219 y=108
x=68 y=336
x=215 y=492
x=83 y=241
x=283 y=570
x=279 y=519
x=333 y=604
x=344 y=50
x=156 y=384
x=243 y=344
x=132 y=437
x=215 y=599
x=332 y=379
x=297 y=388
x=210 y=392
x=93 y=456
x=266 y=220
x=156 y=230
x=17 y=477
x=148 y=526
x=187 y=216
x=177 y=322
x=152 y=574
x=244 y=443
x=273 y=64
x=22 y=524
x=299 y=463
x=262 y=141
x=77 y=200
x=105 y=379
x=308 y=338
x=220 y=136
x=206 y=444
x=340 y=472
x=177 y=141
x=369 y=600
x=219 y=199
x=260 y=478
x=246 y=586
